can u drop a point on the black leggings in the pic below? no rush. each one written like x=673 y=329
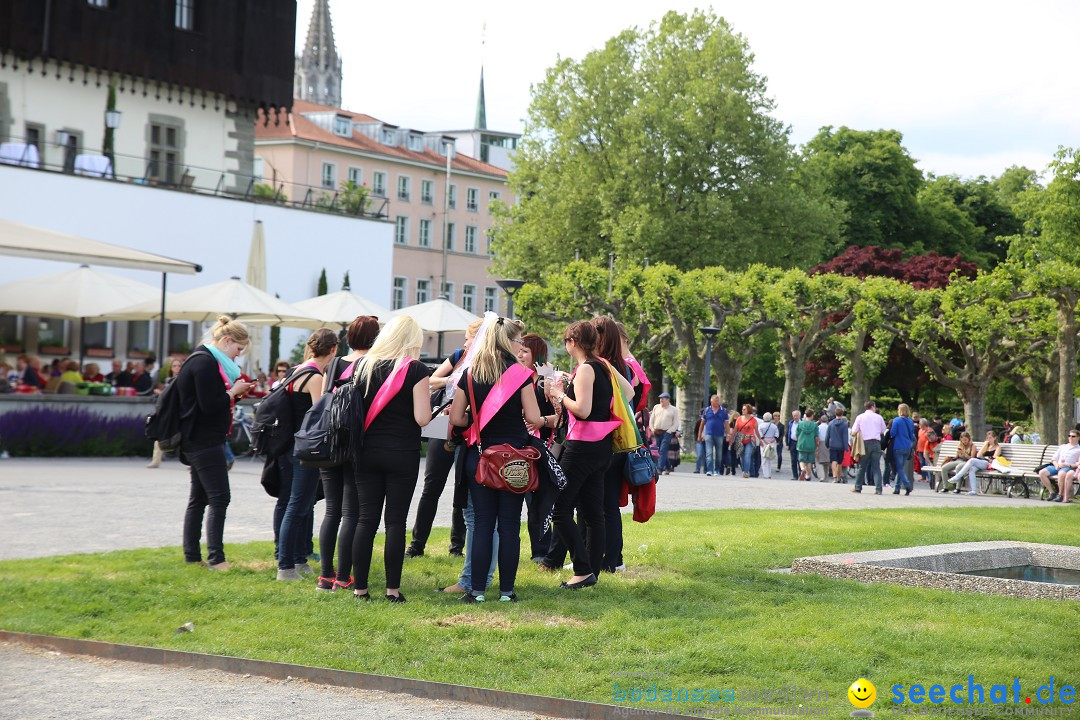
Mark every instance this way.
x=339 y=486
x=383 y=476
x=613 y=485
x=209 y=487
x=584 y=464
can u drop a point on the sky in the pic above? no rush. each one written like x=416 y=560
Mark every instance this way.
x=975 y=87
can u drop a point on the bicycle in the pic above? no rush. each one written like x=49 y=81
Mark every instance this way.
x=241 y=432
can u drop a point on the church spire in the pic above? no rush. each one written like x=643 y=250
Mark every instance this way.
x=481 y=107
x=318 y=69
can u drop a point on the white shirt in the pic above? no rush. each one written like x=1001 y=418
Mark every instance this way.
x=664 y=419
x=1068 y=454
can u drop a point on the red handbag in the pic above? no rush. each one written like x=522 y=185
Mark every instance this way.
x=503 y=466
x=848 y=460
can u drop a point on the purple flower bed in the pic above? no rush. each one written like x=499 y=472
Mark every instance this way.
x=47 y=432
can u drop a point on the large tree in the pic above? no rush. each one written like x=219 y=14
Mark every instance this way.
x=661 y=145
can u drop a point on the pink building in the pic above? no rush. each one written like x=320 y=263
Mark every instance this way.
x=404 y=172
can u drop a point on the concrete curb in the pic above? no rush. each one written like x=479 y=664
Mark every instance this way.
x=542 y=705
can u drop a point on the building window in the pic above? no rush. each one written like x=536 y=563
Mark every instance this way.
x=404 y=187
x=138 y=335
x=401 y=286
x=423 y=291
x=468 y=298
x=492 y=197
x=450 y=233
x=165 y=153
x=257 y=168
x=185 y=14
x=378 y=184
x=401 y=230
x=34 y=133
x=472 y=199
x=329 y=175
x=388 y=137
x=356 y=176
x=427 y=191
x=453 y=197
x=491 y=299
x=416 y=143
x=342 y=126
x=448 y=291
x=425 y=233
x=470 y=238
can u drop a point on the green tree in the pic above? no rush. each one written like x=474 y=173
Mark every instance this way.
x=661 y=145
x=969 y=217
x=322 y=288
x=345 y=284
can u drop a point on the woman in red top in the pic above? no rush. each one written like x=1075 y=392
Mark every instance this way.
x=747 y=425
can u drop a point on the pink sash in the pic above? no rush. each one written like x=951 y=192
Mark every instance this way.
x=639 y=373
x=591 y=430
x=390 y=387
x=510 y=382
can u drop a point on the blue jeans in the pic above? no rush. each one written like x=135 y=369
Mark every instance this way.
x=870 y=464
x=292 y=545
x=748 y=458
x=495 y=513
x=714 y=448
x=665 y=443
x=465 y=581
x=900 y=461
x=230 y=456
x=701 y=461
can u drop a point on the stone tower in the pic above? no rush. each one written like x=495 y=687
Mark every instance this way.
x=318 y=68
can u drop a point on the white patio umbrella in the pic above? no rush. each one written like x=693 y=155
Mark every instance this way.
x=341 y=308
x=78 y=294
x=231 y=297
x=256 y=277
x=438 y=316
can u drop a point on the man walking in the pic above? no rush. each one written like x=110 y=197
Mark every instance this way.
x=870 y=427
x=838 y=437
x=792 y=443
x=716 y=418
x=665 y=424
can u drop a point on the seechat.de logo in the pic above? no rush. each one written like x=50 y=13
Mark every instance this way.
x=862 y=695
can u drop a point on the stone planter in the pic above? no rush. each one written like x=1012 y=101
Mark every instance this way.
x=54 y=350
x=100 y=352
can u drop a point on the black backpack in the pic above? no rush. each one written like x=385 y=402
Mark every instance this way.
x=272 y=428
x=163 y=424
x=322 y=440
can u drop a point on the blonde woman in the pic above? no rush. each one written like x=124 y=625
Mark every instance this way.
x=396 y=396
x=207 y=387
x=299 y=483
x=990 y=449
x=964 y=451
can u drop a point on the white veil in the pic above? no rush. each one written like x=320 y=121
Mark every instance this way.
x=490 y=319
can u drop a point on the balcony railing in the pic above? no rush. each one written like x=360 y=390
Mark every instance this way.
x=165 y=170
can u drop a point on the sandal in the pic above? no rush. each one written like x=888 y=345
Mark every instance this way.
x=338 y=585
x=326 y=584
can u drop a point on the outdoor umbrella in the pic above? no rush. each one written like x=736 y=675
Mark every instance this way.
x=438 y=316
x=232 y=297
x=256 y=277
x=340 y=308
x=75 y=294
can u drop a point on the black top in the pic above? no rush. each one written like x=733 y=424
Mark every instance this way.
x=31 y=378
x=601 y=393
x=395 y=427
x=507 y=424
x=299 y=400
x=204 y=403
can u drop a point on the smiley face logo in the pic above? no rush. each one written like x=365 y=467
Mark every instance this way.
x=862 y=693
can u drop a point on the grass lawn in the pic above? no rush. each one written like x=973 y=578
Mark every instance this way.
x=697 y=605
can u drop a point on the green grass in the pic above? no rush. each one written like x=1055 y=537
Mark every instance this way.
x=697 y=604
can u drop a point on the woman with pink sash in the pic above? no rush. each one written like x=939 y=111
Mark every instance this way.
x=396 y=398
x=586 y=454
x=339 y=484
x=503 y=392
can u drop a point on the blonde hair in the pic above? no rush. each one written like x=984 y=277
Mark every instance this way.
x=474 y=327
x=399 y=338
x=903 y=410
x=226 y=327
x=487 y=365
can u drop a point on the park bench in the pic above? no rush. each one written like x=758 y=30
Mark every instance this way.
x=1014 y=483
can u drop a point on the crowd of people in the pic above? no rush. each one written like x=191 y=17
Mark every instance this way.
x=498 y=392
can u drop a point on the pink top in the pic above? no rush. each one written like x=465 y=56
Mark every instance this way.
x=870 y=425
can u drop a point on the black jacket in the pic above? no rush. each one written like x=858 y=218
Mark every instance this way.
x=205 y=410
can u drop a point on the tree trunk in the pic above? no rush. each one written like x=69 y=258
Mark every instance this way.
x=1044 y=412
x=794 y=379
x=691 y=399
x=729 y=378
x=655 y=371
x=1066 y=367
x=974 y=398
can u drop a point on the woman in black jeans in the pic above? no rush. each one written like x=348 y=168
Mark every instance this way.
x=495 y=368
x=339 y=485
x=586 y=453
x=207 y=387
x=388 y=463
x=532 y=353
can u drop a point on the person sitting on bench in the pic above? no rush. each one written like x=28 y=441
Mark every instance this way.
x=1066 y=458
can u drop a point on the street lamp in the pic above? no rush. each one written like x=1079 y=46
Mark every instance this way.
x=112 y=119
x=511 y=287
x=709 y=333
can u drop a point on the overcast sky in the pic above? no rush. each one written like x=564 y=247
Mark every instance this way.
x=974 y=86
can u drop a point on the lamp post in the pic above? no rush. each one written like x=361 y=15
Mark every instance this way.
x=511 y=287
x=709 y=333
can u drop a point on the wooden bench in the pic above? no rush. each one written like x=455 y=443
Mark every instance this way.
x=1025 y=458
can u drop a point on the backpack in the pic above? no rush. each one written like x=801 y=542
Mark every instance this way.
x=163 y=424
x=322 y=440
x=272 y=429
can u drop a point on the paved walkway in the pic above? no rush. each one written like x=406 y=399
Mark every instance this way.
x=51 y=507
